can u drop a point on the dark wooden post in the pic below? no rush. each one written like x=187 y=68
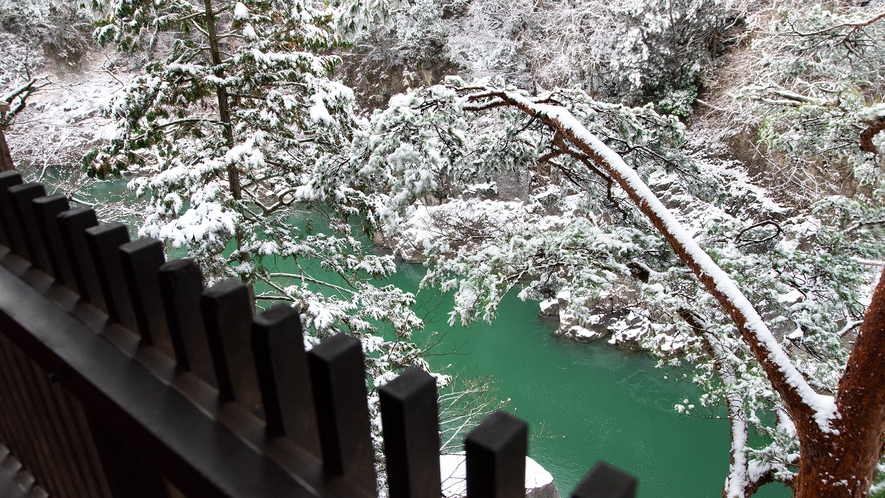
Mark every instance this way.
x=339 y=390
x=181 y=285
x=46 y=211
x=72 y=225
x=278 y=347
x=227 y=315
x=104 y=244
x=411 y=435
x=605 y=481
x=496 y=451
x=141 y=261
x=12 y=232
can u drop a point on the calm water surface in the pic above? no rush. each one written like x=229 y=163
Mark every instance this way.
x=585 y=402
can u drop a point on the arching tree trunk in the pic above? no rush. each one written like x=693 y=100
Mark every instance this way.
x=841 y=439
x=844 y=464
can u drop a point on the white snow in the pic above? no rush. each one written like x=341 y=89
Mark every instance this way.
x=453 y=471
x=791 y=297
x=746 y=317
x=318 y=111
x=546 y=305
x=241 y=12
x=249 y=33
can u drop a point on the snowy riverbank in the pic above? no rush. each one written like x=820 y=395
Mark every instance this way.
x=614 y=313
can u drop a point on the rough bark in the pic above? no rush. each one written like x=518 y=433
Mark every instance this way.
x=5 y=156
x=866 y=136
x=844 y=464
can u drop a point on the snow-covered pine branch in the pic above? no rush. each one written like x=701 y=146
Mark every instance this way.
x=224 y=135
x=803 y=403
x=584 y=236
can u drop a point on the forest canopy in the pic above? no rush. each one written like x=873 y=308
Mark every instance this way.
x=698 y=179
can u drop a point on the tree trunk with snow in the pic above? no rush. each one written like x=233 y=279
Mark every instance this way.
x=844 y=463
x=840 y=440
x=5 y=157
x=233 y=175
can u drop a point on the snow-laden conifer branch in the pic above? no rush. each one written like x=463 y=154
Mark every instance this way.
x=852 y=26
x=803 y=403
x=744 y=476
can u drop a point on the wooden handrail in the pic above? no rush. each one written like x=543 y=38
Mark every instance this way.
x=184 y=392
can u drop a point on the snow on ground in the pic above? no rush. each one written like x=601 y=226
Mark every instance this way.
x=63 y=120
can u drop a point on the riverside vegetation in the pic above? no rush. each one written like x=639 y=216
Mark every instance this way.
x=702 y=178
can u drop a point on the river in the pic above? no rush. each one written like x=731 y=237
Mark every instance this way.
x=584 y=402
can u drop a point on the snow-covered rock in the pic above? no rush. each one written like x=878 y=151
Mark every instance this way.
x=549 y=308
x=538 y=482
x=568 y=328
x=573 y=328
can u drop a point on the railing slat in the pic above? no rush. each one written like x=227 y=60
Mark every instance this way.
x=141 y=261
x=496 y=451
x=605 y=481
x=36 y=454
x=21 y=197
x=72 y=225
x=181 y=284
x=46 y=211
x=227 y=316
x=11 y=233
x=339 y=388
x=104 y=243
x=200 y=454
x=411 y=435
x=278 y=348
x=128 y=475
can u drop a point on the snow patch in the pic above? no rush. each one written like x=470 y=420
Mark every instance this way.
x=453 y=471
x=241 y=12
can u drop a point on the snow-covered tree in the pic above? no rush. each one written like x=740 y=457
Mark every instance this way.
x=222 y=136
x=34 y=30
x=610 y=178
x=816 y=95
x=803 y=251
x=34 y=33
x=624 y=51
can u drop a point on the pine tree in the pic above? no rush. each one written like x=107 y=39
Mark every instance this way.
x=724 y=256
x=221 y=137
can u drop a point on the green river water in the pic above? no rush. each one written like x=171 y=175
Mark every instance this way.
x=583 y=402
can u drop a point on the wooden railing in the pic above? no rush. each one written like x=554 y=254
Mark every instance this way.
x=120 y=376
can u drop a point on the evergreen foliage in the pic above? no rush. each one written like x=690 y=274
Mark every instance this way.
x=222 y=137
x=242 y=123
x=579 y=238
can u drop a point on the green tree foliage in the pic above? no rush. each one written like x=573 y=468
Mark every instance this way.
x=581 y=239
x=222 y=137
